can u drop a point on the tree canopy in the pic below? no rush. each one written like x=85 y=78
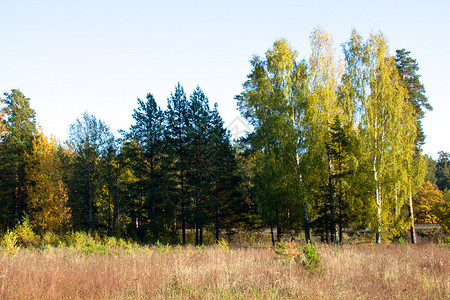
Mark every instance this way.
x=336 y=146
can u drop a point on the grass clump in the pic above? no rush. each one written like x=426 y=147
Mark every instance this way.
x=161 y=248
x=223 y=245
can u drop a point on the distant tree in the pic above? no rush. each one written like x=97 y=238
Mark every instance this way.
x=431 y=170
x=18 y=126
x=443 y=212
x=443 y=171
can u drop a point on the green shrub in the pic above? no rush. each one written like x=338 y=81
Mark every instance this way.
x=311 y=257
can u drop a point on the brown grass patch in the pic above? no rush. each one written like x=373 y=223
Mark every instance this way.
x=348 y=272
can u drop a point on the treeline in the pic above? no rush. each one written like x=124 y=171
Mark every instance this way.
x=336 y=145
x=172 y=171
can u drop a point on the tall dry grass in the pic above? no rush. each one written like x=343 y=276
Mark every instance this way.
x=348 y=272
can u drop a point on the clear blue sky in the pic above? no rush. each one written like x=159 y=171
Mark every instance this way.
x=99 y=56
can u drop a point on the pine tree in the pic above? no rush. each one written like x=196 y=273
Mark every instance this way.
x=408 y=68
x=18 y=127
x=177 y=122
x=199 y=160
x=226 y=203
x=148 y=134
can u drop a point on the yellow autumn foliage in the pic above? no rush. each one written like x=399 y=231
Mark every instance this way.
x=427 y=199
x=47 y=193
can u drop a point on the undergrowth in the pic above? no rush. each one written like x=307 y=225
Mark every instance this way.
x=308 y=257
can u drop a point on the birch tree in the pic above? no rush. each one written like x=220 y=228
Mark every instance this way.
x=387 y=130
x=322 y=109
x=273 y=101
x=408 y=68
x=89 y=137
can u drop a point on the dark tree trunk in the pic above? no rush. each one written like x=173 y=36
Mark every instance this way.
x=109 y=212
x=196 y=235
x=154 y=220
x=183 y=217
x=278 y=226
x=116 y=208
x=217 y=223
x=306 y=223
x=411 y=215
x=140 y=225
x=91 y=227
x=271 y=234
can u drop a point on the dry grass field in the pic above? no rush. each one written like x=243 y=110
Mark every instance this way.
x=345 y=272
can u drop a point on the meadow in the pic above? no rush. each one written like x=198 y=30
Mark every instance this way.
x=113 y=269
